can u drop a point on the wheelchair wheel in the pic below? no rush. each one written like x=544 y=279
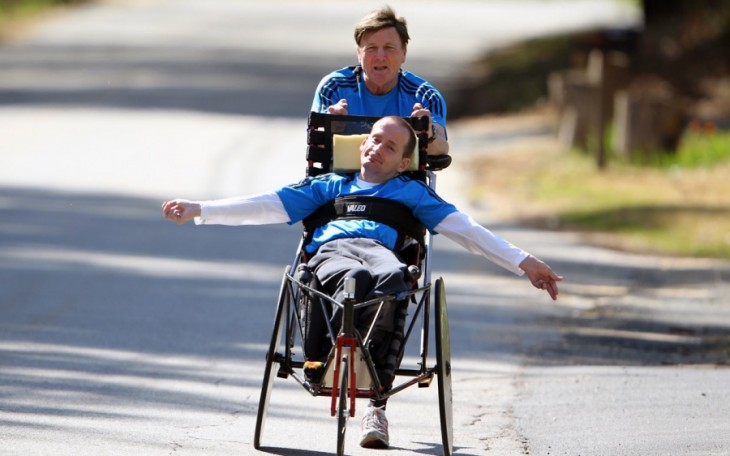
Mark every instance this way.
x=276 y=346
x=443 y=368
x=342 y=412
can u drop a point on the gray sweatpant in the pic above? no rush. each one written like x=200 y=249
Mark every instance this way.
x=377 y=271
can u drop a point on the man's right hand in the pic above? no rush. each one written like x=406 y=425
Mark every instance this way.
x=180 y=211
x=339 y=108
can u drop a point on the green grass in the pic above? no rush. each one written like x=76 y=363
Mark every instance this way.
x=14 y=13
x=699 y=149
x=17 y=8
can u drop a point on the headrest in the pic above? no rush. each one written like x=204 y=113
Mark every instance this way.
x=346 y=153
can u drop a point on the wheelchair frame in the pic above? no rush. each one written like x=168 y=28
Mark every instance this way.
x=349 y=360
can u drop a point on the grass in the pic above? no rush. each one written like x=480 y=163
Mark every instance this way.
x=11 y=7
x=15 y=14
x=701 y=146
x=678 y=205
x=15 y=9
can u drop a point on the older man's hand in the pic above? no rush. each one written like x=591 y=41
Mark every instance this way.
x=339 y=108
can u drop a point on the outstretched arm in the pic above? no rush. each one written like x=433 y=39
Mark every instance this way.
x=463 y=230
x=259 y=209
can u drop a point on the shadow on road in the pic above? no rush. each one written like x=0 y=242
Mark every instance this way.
x=83 y=342
x=607 y=314
x=81 y=327
x=185 y=78
x=210 y=293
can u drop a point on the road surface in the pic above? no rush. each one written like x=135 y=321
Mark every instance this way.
x=125 y=334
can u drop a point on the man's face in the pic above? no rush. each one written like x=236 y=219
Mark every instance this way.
x=381 y=55
x=381 y=154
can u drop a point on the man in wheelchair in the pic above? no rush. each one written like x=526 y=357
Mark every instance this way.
x=364 y=248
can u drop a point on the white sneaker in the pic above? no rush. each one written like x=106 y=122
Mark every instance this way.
x=374 y=428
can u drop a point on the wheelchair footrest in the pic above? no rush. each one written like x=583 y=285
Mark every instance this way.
x=284 y=367
x=282 y=372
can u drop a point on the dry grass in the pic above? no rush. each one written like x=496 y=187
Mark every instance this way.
x=668 y=211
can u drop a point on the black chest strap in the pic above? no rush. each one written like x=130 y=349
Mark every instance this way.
x=382 y=210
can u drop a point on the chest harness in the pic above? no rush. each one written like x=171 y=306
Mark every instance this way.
x=382 y=210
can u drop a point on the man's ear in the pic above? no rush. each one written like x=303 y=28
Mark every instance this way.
x=404 y=163
x=359 y=54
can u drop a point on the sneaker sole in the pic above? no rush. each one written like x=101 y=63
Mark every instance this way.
x=373 y=441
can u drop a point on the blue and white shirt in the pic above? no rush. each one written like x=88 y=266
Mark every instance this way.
x=302 y=199
x=293 y=203
x=348 y=83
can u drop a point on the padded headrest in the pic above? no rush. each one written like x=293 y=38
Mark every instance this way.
x=346 y=153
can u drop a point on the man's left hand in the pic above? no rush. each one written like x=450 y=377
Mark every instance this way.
x=541 y=276
x=420 y=111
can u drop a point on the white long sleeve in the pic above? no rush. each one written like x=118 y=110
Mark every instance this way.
x=462 y=229
x=260 y=209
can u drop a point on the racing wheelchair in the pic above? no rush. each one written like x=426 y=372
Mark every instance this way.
x=344 y=370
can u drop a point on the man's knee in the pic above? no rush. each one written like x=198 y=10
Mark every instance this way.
x=363 y=282
x=392 y=281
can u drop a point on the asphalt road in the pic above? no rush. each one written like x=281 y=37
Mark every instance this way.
x=124 y=334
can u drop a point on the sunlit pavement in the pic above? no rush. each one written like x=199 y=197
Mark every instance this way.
x=124 y=334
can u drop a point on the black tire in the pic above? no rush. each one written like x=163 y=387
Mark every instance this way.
x=342 y=410
x=443 y=368
x=276 y=346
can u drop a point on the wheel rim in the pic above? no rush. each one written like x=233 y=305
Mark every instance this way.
x=443 y=361
x=269 y=375
x=342 y=412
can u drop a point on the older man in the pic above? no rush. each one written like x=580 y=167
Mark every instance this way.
x=378 y=86
x=364 y=246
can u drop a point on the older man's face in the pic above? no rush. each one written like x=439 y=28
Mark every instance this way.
x=382 y=152
x=381 y=55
